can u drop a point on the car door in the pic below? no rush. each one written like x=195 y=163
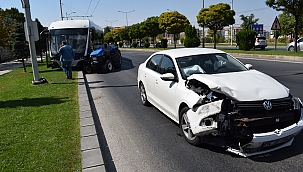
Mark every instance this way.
x=166 y=90
x=150 y=74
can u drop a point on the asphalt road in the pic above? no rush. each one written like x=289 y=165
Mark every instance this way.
x=139 y=138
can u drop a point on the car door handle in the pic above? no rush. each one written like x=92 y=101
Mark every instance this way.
x=156 y=81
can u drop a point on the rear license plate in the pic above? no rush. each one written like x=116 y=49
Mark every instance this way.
x=277 y=142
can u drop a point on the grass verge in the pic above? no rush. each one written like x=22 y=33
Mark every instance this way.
x=39 y=125
x=266 y=52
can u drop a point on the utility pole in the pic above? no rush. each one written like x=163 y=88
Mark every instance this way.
x=232 y=29
x=61 y=9
x=30 y=34
x=203 y=33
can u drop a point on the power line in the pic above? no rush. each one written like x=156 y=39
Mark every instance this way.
x=88 y=7
x=95 y=8
x=71 y=8
x=259 y=9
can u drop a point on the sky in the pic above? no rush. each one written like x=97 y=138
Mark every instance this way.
x=106 y=13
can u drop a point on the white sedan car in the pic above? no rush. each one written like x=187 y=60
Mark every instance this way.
x=216 y=99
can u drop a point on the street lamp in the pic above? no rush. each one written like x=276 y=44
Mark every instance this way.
x=126 y=15
x=111 y=22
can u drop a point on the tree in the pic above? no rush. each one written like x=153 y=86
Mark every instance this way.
x=115 y=34
x=106 y=30
x=151 y=27
x=173 y=22
x=108 y=37
x=19 y=47
x=136 y=32
x=248 y=21
x=5 y=33
x=216 y=17
x=287 y=23
x=8 y=18
x=246 y=39
x=191 y=39
x=293 y=7
x=124 y=34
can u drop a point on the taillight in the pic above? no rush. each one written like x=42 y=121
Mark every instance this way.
x=257 y=40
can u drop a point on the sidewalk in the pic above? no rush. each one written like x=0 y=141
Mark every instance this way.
x=9 y=66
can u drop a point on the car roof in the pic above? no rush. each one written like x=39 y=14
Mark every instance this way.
x=181 y=52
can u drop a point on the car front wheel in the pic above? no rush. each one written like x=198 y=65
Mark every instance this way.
x=186 y=128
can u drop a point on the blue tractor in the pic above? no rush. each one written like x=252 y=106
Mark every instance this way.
x=105 y=57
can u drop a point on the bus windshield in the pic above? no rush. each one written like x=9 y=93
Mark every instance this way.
x=76 y=38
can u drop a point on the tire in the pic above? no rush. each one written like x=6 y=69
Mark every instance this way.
x=291 y=48
x=117 y=59
x=87 y=69
x=109 y=66
x=143 y=95
x=186 y=128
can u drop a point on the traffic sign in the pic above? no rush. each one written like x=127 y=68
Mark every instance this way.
x=258 y=28
x=276 y=24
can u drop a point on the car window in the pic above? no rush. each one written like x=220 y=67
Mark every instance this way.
x=154 y=62
x=208 y=64
x=261 y=38
x=167 y=66
x=300 y=40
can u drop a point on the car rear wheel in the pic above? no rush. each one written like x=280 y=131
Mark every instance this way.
x=186 y=128
x=291 y=48
x=143 y=96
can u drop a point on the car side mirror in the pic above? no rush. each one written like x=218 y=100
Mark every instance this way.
x=249 y=66
x=168 y=77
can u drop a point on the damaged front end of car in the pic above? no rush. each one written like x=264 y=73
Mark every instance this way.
x=242 y=127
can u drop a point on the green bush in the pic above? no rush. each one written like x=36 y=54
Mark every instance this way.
x=135 y=44
x=146 y=44
x=191 y=39
x=191 y=42
x=164 y=43
x=120 y=44
x=246 y=39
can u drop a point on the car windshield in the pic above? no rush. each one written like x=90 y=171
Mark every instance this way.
x=208 y=64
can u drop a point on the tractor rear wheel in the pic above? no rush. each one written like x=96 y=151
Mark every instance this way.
x=116 y=59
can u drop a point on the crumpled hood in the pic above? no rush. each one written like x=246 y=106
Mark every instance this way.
x=248 y=85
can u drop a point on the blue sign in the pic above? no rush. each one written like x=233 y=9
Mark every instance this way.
x=258 y=28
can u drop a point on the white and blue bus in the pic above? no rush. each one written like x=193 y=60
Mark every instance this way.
x=77 y=33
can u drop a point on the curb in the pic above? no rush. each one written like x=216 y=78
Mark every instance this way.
x=92 y=160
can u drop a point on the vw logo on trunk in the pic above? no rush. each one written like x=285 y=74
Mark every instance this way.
x=267 y=105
